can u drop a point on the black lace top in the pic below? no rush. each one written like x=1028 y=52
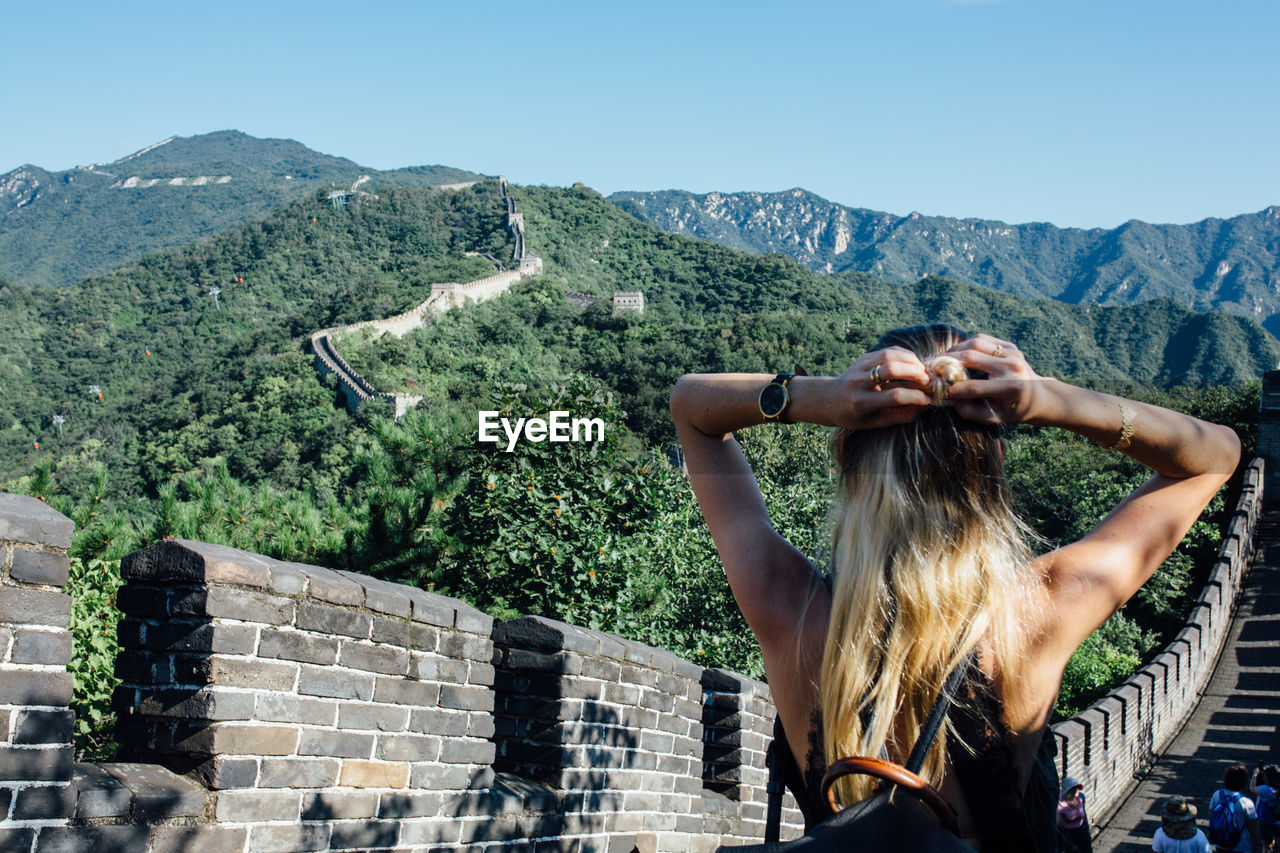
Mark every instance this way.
x=1006 y=816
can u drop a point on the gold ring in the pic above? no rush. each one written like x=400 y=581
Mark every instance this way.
x=875 y=375
x=999 y=349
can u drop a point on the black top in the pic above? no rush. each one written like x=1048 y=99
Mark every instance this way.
x=1005 y=816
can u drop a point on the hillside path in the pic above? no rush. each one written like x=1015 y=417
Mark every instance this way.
x=1236 y=720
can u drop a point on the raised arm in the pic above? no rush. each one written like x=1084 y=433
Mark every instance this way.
x=772 y=581
x=1191 y=459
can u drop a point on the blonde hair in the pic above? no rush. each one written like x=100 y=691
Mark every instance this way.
x=928 y=559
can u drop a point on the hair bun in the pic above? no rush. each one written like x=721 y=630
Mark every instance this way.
x=944 y=371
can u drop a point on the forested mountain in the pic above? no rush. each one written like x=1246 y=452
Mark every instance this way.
x=1230 y=265
x=58 y=227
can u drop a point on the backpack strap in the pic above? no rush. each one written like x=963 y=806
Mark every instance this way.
x=774 y=787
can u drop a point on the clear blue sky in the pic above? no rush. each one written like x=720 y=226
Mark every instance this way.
x=1080 y=113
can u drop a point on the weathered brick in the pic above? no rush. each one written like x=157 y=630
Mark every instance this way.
x=402 y=691
x=47 y=802
x=429 y=609
x=99 y=794
x=229 y=603
x=338 y=744
x=408 y=748
x=42 y=726
x=182 y=560
x=242 y=739
x=93 y=839
x=363 y=835
x=181 y=636
x=436 y=722
x=404 y=633
x=456 y=751
x=382 y=596
x=220 y=773
x=369 y=657
x=335 y=683
x=339 y=805
x=30 y=687
x=34 y=607
x=47 y=647
x=198 y=839
x=157 y=792
x=467 y=646
x=257 y=805
x=333 y=620
x=298 y=646
x=328 y=585
x=448 y=777
x=466 y=698
x=374 y=774
x=434 y=668
x=297 y=772
x=234 y=672
x=27 y=519
x=42 y=567
x=204 y=704
x=409 y=805
x=385 y=718
x=296 y=838
x=18 y=840
x=299 y=710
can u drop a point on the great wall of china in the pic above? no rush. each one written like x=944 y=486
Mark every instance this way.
x=356 y=390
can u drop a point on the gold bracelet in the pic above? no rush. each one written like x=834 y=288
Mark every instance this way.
x=1126 y=428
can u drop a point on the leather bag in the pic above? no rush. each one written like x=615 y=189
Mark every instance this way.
x=906 y=815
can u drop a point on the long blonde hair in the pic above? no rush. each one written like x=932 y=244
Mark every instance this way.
x=928 y=559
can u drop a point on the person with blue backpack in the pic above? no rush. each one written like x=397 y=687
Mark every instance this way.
x=1266 y=786
x=1233 y=820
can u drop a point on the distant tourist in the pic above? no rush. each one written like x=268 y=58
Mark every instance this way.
x=1233 y=821
x=1266 y=785
x=1177 y=832
x=1073 y=823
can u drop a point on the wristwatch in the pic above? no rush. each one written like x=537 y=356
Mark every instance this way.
x=774 y=397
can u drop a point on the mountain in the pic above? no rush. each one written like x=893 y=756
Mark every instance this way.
x=1229 y=265
x=59 y=227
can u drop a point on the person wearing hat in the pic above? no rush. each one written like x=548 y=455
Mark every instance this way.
x=1073 y=823
x=1178 y=832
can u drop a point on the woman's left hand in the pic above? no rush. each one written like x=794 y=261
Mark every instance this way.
x=1007 y=395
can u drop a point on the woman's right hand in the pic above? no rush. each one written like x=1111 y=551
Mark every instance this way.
x=1007 y=395
x=882 y=388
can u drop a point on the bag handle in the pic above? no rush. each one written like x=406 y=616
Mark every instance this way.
x=907 y=777
x=897 y=775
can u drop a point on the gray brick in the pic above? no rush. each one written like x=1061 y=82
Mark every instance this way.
x=42 y=567
x=466 y=698
x=333 y=620
x=221 y=773
x=382 y=596
x=368 y=657
x=47 y=802
x=298 y=772
x=433 y=668
x=228 y=603
x=235 y=672
x=335 y=683
x=409 y=805
x=446 y=777
x=481 y=674
x=182 y=636
x=456 y=645
x=34 y=607
x=408 y=748
x=94 y=839
x=99 y=793
x=257 y=805
x=141 y=600
x=242 y=739
x=287 y=578
x=48 y=647
x=298 y=646
x=436 y=722
x=467 y=752
x=404 y=633
x=28 y=687
x=299 y=710
x=157 y=792
x=27 y=519
x=328 y=585
x=204 y=704
x=337 y=744
x=6 y=640
x=289 y=839
x=430 y=609
x=384 y=718
x=339 y=805
x=363 y=835
x=17 y=840
x=42 y=726
x=402 y=691
x=198 y=839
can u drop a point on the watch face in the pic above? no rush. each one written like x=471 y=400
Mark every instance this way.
x=773 y=399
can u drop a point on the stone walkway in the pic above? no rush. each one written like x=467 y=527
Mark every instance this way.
x=1237 y=720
